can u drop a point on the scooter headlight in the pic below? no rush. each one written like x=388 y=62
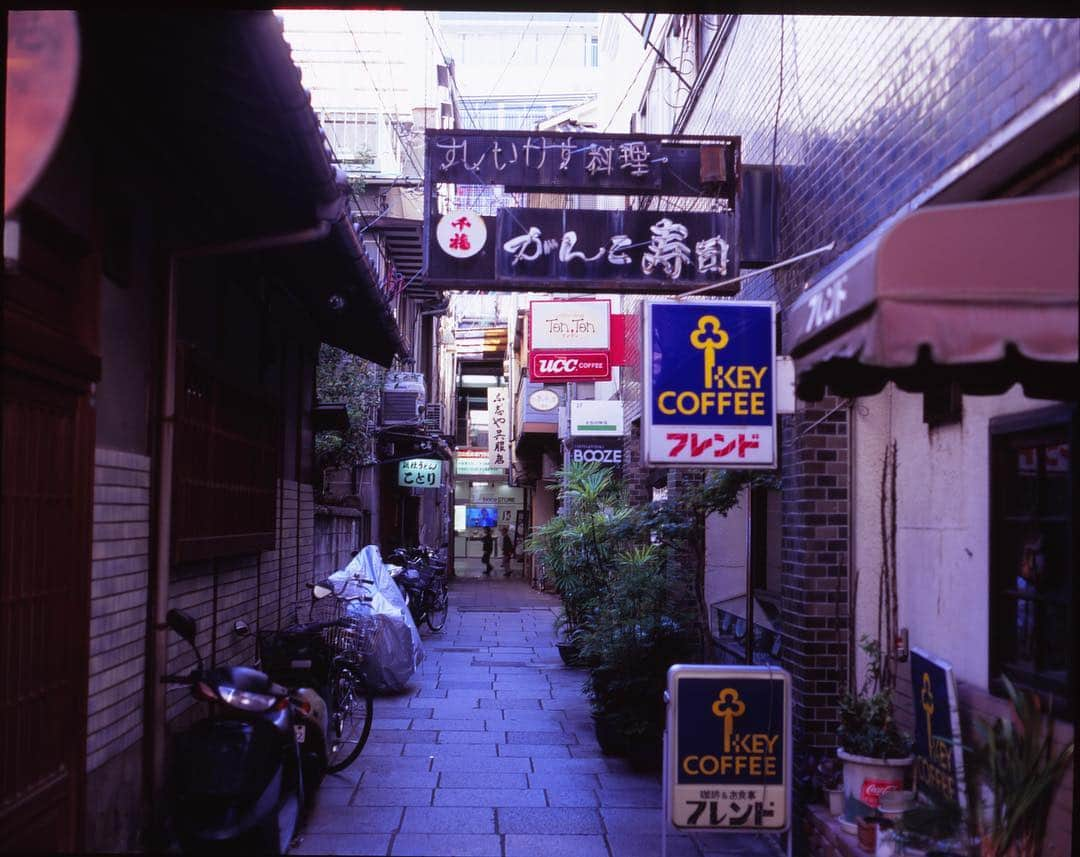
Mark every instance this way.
x=245 y=700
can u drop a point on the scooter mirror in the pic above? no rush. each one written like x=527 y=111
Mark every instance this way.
x=320 y=590
x=182 y=624
x=240 y=628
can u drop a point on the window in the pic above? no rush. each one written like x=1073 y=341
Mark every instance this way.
x=1033 y=574
x=592 y=52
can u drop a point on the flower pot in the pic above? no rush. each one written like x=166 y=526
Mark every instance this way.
x=568 y=651
x=836 y=801
x=865 y=780
x=866 y=833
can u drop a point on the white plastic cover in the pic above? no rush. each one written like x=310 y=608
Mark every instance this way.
x=398 y=651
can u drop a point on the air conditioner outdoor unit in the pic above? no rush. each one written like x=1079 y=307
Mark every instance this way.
x=403 y=398
x=433 y=418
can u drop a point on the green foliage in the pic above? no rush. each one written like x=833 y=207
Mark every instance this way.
x=867 y=727
x=1016 y=763
x=356 y=383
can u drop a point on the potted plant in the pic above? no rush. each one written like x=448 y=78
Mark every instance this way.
x=828 y=780
x=1019 y=772
x=875 y=752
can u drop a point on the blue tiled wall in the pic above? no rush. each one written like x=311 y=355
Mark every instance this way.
x=872 y=112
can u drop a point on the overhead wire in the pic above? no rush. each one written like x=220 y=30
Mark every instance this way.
x=543 y=80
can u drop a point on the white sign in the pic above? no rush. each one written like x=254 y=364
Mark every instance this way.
x=570 y=325
x=461 y=233
x=474 y=462
x=498 y=428
x=544 y=400
x=420 y=473
x=727 y=748
x=596 y=418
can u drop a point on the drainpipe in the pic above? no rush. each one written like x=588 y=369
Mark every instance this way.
x=158 y=596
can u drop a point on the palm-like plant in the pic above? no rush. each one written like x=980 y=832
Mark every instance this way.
x=1017 y=764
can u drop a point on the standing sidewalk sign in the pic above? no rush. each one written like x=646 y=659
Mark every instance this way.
x=727 y=749
x=939 y=756
x=710 y=384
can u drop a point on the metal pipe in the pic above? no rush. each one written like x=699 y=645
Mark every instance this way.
x=158 y=596
x=749 y=576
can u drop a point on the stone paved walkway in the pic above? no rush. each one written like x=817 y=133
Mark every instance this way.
x=491 y=751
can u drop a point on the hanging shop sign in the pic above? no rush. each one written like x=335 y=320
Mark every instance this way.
x=498 y=428
x=569 y=366
x=667 y=250
x=938 y=750
x=461 y=233
x=570 y=325
x=589 y=417
x=420 y=473
x=606 y=451
x=544 y=400
x=709 y=384
x=727 y=748
x=474 y=462
x=586 y=163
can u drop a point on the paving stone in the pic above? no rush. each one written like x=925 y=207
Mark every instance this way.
x=648 y=845
x=481 y=764
x=535 y=751
x=386 y=736
x=580 y=752
x=629 y=781
x=485 y=737
x=482 y=779
x=364 y=762
x=432 y=693
x=630 y=820
x=451 y=749
x=464 y=683
x=649 y=798
x=570 y=766
x=342 y=843
x=448 y=819
x=447 y=845
x=459 y=724
x=571 y=797
x=391 y=796
x=520 y=845
x=491 y=797
x=400 y=779
x=536 y=820
x=381 y=748
x=511 y=703
x=562 y=780
x=535 y=737
x=358 y=819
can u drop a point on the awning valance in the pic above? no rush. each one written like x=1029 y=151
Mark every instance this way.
x=981 y=294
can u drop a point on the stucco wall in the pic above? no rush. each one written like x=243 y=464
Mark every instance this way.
x=943 y=526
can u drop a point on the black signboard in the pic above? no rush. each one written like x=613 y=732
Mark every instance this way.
x=586 y=163
x=605 y=451
x=939 y=759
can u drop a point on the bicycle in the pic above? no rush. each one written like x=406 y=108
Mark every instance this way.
x=423 y=584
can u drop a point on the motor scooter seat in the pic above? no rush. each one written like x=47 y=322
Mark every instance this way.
x=247 y=679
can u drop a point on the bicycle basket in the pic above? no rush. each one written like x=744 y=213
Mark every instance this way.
x=354 y=637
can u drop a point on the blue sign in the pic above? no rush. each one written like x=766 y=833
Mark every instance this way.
x=939 y=758
x=728 y=749
x=710 y=384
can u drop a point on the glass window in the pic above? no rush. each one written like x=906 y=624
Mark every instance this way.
x=592 y=52
x=1032 y=536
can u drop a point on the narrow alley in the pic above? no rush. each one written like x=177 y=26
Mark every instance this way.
x=491 y=753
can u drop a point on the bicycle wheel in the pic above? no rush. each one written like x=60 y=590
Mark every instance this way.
x=350 y=719
x=439 y=607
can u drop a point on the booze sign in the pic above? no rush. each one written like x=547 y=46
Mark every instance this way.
x=569 y=365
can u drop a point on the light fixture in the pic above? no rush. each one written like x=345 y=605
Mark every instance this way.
x=336 y=302
x=480 y=380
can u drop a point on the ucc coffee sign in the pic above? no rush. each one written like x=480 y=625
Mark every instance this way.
x=728 y=749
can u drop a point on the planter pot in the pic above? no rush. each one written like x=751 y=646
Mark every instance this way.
x=836 y=801
x=568 y=652
x=865 y=781
x=609 y=738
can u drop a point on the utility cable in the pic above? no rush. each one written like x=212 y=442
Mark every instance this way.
x=555 y=56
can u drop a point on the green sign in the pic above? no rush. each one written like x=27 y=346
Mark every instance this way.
x=420 y=473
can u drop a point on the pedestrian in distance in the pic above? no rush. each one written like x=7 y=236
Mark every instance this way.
x=507 y=548
x=488 y=544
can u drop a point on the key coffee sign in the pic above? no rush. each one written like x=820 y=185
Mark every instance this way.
x=727 y=750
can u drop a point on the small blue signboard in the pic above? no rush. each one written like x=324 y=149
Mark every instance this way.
x=727 y=760
x=710 y=384
x=939 y=757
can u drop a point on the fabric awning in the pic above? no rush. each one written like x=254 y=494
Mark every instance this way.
x=981 y=294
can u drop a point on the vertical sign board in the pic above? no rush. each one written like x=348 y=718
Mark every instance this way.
x=728 y=748
x=710 y=384
x=498 y=428
x=939 y=757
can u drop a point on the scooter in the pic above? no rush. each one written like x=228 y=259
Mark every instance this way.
x=236 y=780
